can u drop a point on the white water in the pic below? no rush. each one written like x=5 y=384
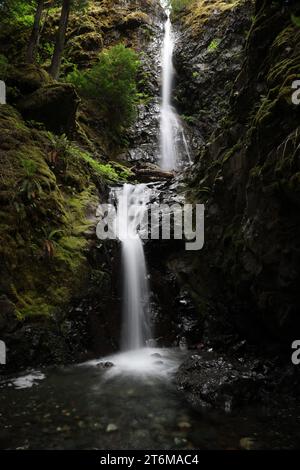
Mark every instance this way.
x=131 y=206
x=137 y=357
x=172 y=138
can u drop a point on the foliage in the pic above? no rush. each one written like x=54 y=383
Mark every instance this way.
x=179 y=5
x=296 y=20
x=60 y=145
x=30 y=185
x=213 y=45
x=3 y=67
x=111 y=173
x=112 y=84
x=17 y=12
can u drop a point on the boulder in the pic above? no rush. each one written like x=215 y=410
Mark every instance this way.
x=53 y=105
x=27 y=78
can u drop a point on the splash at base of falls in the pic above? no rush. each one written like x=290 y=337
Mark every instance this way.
x=145 y=362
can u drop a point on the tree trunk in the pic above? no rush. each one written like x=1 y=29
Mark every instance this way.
x=35 y=33
x=60 y=40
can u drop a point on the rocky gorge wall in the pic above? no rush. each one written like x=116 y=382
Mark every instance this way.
x=236 y=65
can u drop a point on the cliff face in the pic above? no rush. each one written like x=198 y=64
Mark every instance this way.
x=247 y=172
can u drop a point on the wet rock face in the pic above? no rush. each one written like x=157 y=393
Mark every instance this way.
x=175 y=319
x=220 y=382
x=246 y=175
x=208 y=59
x=143 y=136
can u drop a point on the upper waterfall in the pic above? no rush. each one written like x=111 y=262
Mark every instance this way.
x=172 y=136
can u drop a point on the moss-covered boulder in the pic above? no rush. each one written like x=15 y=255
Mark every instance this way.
x=53 y=105
x=27 y=78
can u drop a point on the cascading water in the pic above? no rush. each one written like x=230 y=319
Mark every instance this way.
x=131 y=206
x=132 y=202
x=171 y=131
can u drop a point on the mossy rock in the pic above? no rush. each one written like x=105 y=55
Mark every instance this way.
x=54 y=105
x=27 y=78
x=83 y=50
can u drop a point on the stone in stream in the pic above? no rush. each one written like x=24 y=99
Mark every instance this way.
x=156 y=355
x=112 y=427
x=105 y=365
x=184 y=425
x=247 y=443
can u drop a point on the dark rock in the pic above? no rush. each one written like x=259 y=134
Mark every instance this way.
x=27 y=78
x=8 y=319
x=53 y=105
x=105 y=365
x=208 y=380
x=215 y=382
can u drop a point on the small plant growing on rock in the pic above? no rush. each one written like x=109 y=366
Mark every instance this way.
x=60 y=145
x=30 y=186
x=213 y=45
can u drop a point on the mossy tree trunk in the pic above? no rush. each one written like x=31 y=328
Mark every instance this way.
x=35 y=33
x=60 y=40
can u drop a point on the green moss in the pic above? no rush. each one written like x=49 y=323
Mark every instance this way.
x=43 y=219
x=111 y=172
x=214 y=45
x=198 y=12
x=229 y=153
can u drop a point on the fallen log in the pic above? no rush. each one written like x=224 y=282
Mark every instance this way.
x=151 y=173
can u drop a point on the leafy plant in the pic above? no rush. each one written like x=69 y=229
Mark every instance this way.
x=112 y=84
x=213 y=45
x=17 y=12
x=30 y=186
x=50 y=241
x=60 y=145
x=296 y=20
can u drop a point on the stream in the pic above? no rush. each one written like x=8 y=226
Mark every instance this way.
x=132 y=406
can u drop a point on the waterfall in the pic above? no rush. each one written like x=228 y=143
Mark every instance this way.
x=131 y=206
x=132 y=203
x=172 y=138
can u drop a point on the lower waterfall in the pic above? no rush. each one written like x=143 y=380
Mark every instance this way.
x=131 y=206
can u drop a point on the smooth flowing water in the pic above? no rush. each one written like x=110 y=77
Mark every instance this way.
x=131 y=206
x=173 y=143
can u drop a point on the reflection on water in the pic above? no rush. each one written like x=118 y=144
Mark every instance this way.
x=89 y=407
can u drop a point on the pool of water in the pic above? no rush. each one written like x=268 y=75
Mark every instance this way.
x=133 y=405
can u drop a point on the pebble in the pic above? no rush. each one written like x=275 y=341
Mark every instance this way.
x=247 y=443
x=184 y=425
x=111 y=428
